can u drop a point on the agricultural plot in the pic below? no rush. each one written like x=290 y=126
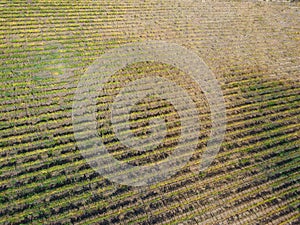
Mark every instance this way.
x=48 y=47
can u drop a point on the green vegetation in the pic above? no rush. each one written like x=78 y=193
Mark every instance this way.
x=46 y=46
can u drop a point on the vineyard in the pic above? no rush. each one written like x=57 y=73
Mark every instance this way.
x=252 y=49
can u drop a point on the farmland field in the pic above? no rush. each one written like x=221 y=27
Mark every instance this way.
x=251 y=48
